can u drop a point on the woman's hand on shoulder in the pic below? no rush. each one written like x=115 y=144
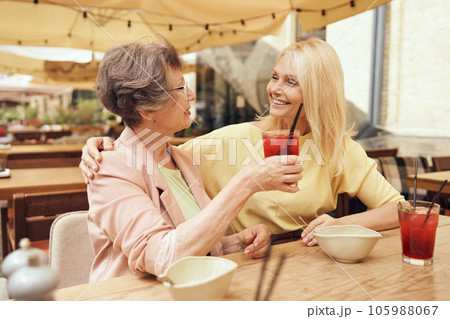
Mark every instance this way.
x=91 y=156
x=275 y=173
x=323 y=220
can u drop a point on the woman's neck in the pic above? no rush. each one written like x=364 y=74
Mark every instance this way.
x=155 y=142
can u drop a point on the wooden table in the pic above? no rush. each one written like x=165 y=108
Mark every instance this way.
x=42 y=155
x=431 y=181
x=41 y=180
x=308 y=274
x=41 y=148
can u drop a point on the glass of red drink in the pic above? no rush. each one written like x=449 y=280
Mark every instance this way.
x=280 y=143
x=418 y=231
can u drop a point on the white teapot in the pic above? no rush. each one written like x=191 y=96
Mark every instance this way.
x=28 y=273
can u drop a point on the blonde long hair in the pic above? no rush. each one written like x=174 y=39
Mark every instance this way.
x=321 y=81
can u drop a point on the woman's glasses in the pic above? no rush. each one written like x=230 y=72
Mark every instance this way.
x=185 y=88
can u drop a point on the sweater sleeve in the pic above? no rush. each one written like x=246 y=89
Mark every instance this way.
x=362 y=179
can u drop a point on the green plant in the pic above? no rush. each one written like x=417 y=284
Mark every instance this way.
x=88 y=112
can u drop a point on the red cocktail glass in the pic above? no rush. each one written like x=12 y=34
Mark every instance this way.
x=418 y=231
x=280 y=143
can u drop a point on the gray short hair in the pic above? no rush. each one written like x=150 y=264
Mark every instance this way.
x=133 y=77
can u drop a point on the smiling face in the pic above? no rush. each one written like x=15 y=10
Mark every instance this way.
x=285 y=95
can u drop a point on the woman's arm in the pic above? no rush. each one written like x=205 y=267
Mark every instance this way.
x=362 y=179
x=122 y=208
x=383 y=217
x=199 y=235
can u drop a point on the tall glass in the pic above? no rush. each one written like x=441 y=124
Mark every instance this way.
x=280 y=143
x=418 y=231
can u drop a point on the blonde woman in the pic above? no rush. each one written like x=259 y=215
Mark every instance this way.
x=307 y=72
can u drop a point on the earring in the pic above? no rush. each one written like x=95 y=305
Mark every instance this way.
x=154 y=119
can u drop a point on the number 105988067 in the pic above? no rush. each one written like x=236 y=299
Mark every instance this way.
x=402 y=310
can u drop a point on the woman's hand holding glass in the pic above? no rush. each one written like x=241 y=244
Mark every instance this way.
x=274 y=173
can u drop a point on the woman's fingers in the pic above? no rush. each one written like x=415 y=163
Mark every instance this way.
x=91 y=155
x=88 y=159
x=292 y=178
x=108 y=143
x=87 y=173
x=261 y=241
x=308 y=232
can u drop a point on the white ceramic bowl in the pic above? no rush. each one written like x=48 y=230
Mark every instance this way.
x=348 y=243
x=200 y=278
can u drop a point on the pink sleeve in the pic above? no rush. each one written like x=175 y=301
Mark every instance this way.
x=121 y=206
x=166 y=252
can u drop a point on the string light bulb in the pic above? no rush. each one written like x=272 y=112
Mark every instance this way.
x=242 y=22
x=84 y=14
x=129 y=23
x=273 y=16
x=36 y=1
x=206 y=26
x=352 y=3
x=323 y=12
x=170 y=27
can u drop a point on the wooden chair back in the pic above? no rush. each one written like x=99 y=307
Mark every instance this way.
x=441 y=163
x=34 y=213
x=395 y=170
x=381 y=152
x=24 y=136
x=57 y=134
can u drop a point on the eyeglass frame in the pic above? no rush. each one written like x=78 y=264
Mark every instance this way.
x=184 y=87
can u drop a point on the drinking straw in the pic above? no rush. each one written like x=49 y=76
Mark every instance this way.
x=291 y=131
x=263 y=270
x=434 y=200
x=416 y=164
x=275 y=277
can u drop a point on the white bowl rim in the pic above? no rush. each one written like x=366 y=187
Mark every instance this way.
x=201 y=282
x=372 y=232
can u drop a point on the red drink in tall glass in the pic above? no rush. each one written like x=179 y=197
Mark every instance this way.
x=280 y=143
x=418 y=231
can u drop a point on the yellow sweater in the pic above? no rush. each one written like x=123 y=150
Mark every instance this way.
x=223 y=152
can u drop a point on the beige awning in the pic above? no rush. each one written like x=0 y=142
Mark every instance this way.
x=190 y=24
x=24 y=94
x=77 y=75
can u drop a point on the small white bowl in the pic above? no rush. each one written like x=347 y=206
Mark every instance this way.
x=199 y=278
x=349 y=243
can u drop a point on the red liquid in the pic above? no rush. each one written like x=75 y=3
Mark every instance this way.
x=418 y=238
x=280 y=144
